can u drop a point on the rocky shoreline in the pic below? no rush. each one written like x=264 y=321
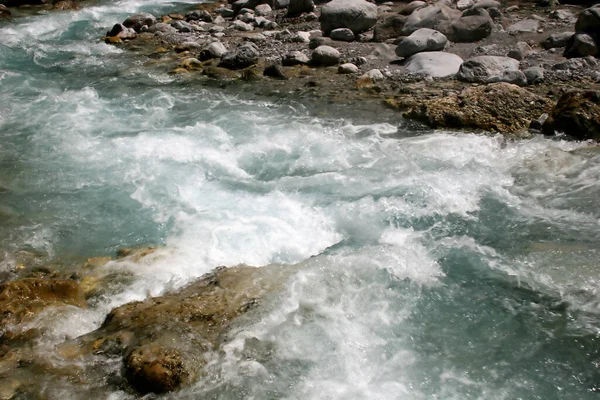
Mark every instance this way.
x=485 y=66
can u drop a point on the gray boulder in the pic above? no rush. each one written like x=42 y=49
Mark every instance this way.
x=160 y=28
x=294 y=58
x=182 y=26
x=297 y=7
x=534 y=75
x=263 y=10
x=242 y=57
x=279 y=4
x=356 y=15
x=136 y=21
x=484 y=4
x=215 y=49
x=581 y=45
x=484 y=69
x=347 y=68
x=412 y=6
x=389 y=27
x=342 y=34
x=589 y=21
x=527 y=25
x=325 y=56
x=423 y=39
x=557 y=40
x=467 y=29
x=434 y=63
x=513 y=76
x=122 y=32
x=242 y=26
x=429 y=17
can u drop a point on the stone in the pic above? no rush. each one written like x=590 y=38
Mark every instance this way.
x=263 y=10
x=182 y=26
x=482 y=69
x=256 y=38
x=63 y=5
x=581 y=45
x=467 y=29
x=301 y=37
x=576 y=64
x=190 y=64
x=294 y=58
x=311 y=16
x=279 y=4
x=297 y=7
x=137 y=21
x=495 y=14
x=226 y=12
x=562 y=15
x=4 y=11
x=188 y=46
x=348 y=68
x=275 y=71
x=215 y=49
x=513 y=76
x=156 y=369
x=242 y=26
x=521 y=50
x=534 y=75
x=577 y=114
x=248 y=18
x=319 y=41
x=199 y=15
x=122 y=32
x=242 y=57
x=464 y=4
x=557 y=40
x=21 y=300
x=412 y=7
x=434 y=63
x=325 y=56
x=486 y=4
x=429 y=17
x=589 y=21
x=389 y=27
x=342 y=35
x=356 y=15
x=423 y=39
x=527 y=25
x=497 y=107
x=374 y=74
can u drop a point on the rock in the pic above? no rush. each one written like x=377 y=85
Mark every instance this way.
x=521 y=50
x=279 y=4
x=536 y=124
x=497 y=107
x=576 y=64
x=495 y=14
x=534 y=75
x=226 y=12
x=581 y=45
x=311 y=16
x=356 y=15
x=188 y=46
x=412 y=7
x=199 y=15
x=557 y=40
x=263 y=10
x=4 y=11
x=242 y=26
x=423 y=39
x=242 y=57
x=589 y=21
x=577 y=114
x=275 y=71
x=248 y=18
x=63 y=5
x=485 y=4
x=137 y=21
x=434 y=63
x=562 y=15
x=294 y=58
x=429 y=17
x=527 y=25
x=374 y=75
x=467 y=29
x=156 y=369
x=215 y=49
x=342 y=34
x=301 y=37
x=122 y=32
x=389 y=27
x=464 y=4
x=297 y=7
x=482 y=69
x=325 y=56
x=23 y=299
x=182 y=26
x=513 y=76
x=512 y=9
x=348 y=68
x=319 y=41
x=256 y=38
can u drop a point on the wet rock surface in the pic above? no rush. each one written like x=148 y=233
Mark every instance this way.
x=576 y=114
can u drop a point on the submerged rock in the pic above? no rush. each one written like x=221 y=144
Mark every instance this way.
x=498 y=107
x=576 y=114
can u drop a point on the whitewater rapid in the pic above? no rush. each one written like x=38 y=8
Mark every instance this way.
x=430 y=264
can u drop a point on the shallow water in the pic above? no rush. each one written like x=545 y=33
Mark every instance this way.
x=432 y=265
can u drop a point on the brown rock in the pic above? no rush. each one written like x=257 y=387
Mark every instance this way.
x=4 y=11
x=577 y=114
x=22 y=299
x=156 y=369
x=66 y=5
x=498 y=107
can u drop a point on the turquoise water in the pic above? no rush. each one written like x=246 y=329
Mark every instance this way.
x=430 y=264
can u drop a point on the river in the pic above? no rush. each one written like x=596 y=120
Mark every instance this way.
x=431 y=265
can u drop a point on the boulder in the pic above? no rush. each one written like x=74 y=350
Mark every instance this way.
x=429 y=17
x=22 y=300
x=434 y=63
x=242 y=26
x=319 y=41
x=242 y=57
x=471 y=28
x=464 y=4
x=534 y=75
x=520 y=51
x=156 y=369
x=347 y=68
x=484 y=69
x=325 y=56
x=485 y=4
x=182 y=26
x=527 y=25
x=297 y=7
x=581 y=45
x=263 y=10
x=137 y=21
x=356 y=15
x=122 y=32
x=294 y=58
x=215 y=49
x=423 y=39
x=562 y=15
x=557 y=40
x=513 y=76
x=198 y=15
x=412 y=7
x=577 y=113
x=389 y=27
x=275 y=71
x=589 y=21
x=342 y=34
x=374 y=75
x=497 y=107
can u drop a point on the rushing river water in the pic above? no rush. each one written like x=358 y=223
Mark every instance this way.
x=430 y=266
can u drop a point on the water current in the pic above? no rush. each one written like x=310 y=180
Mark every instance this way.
x=431 y=265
